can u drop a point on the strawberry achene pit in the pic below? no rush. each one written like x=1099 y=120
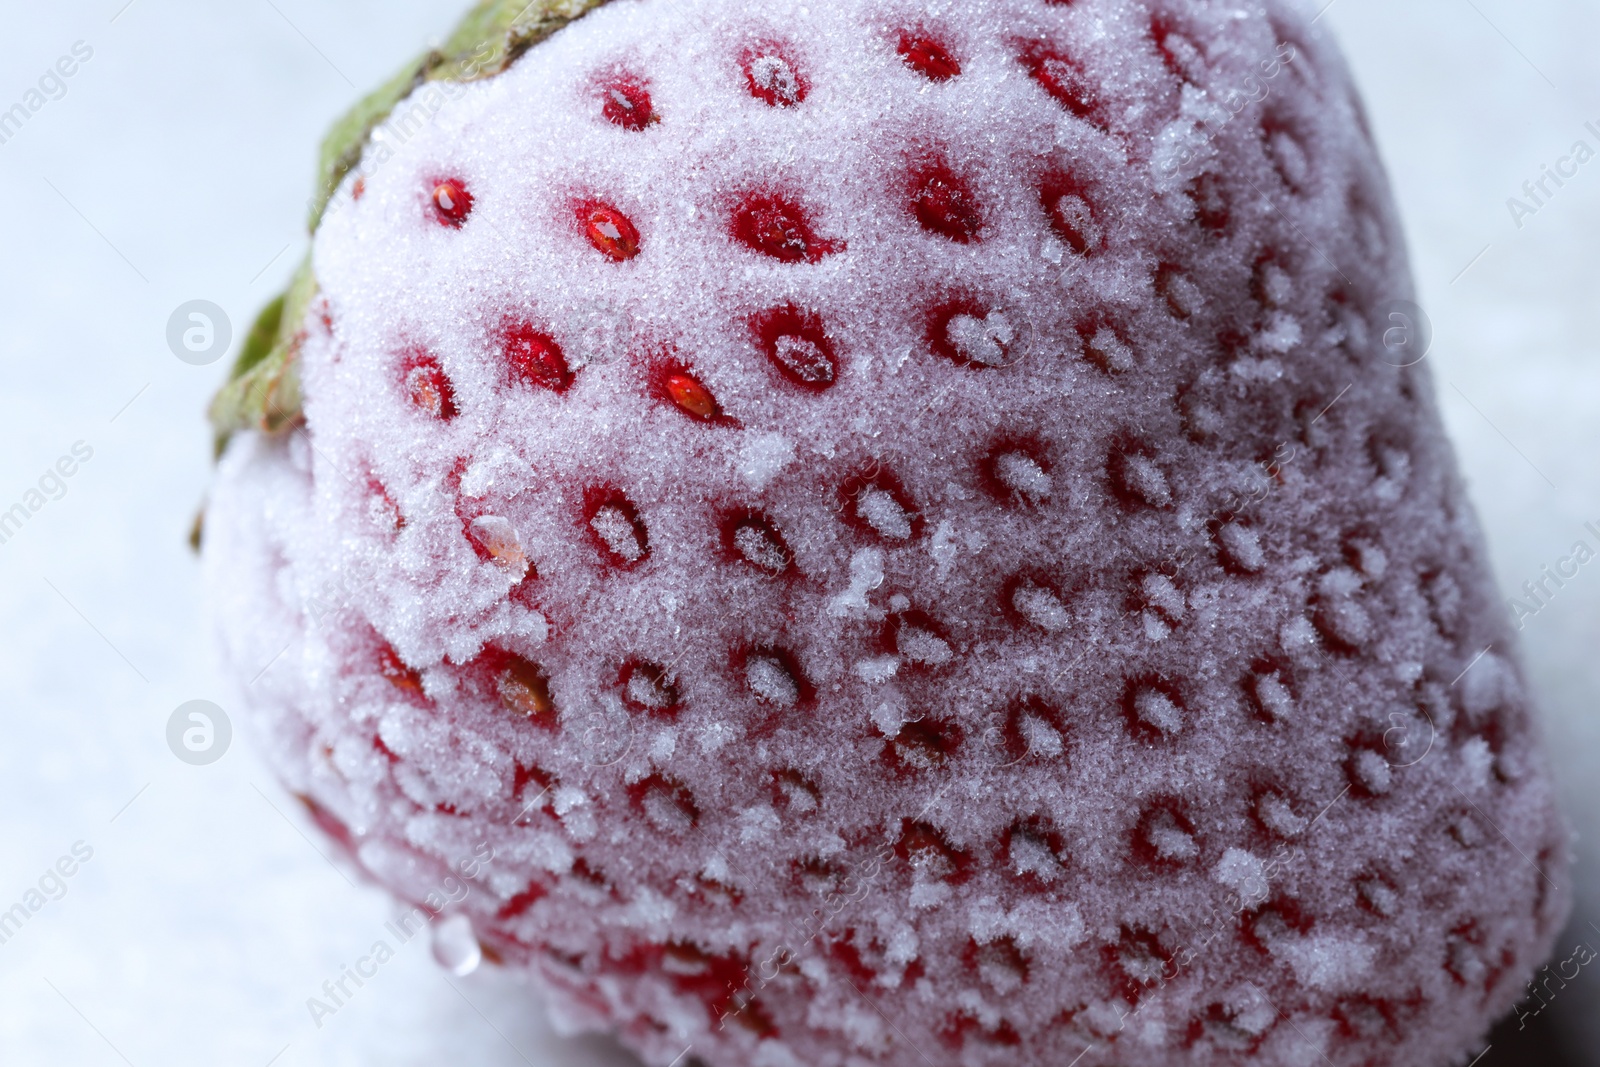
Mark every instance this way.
x=754 y=539
x=928 y=57
x=772 y=680
x=451 y=202
x=429 y=389
x=878 y=504
x=1022 y=476
x=690 y=396
x=798 y=347
x=1072 y=217
x=944 y=204
x=778 y=227
x=966 y=334
x=496 y=539
x=397 y=671
x=620 y=532
x=774 y=81
x=525 y=691
x=650 y=688
x=627 y=103
x=535 y=357
x=610 y=231
x=1064 y=79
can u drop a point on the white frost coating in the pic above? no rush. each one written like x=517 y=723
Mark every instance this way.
x=1274 y=696
x=1379 y=896
x=943 y=548
x=1477 y=760
x=988 y=340
x=1243 y=547
x=502 y=469
x=764 y=458
x=804 y=358
x=1171 y=841
x=888 y=714
x=774 y=75
x=1042 y=739
x=1279 y=816
x=866 y=574
x=883 y=513
x=1023 y=475
x=1156 y=709
x=759 y=550
x=1372 y=772
x=615 y=529
x=1041 y=607
x=1145 y=479
x=1328 y=961
x=500 y=540
x=1033 y=568
x=771 y=681
x=1164 y=595
x=920 y=646
x=1031 y=856
x=1110 y=350
x=878 y=669
x=1243 y=873
x=650 y=690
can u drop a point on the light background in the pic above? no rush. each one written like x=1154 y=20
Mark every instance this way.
x=177 y=166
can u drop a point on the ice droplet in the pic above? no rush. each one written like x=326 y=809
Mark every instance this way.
x=455 y=945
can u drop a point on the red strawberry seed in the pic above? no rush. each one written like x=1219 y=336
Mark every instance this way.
x=451 y=202
x=610 y=231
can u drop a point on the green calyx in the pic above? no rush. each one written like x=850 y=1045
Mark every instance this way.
x=263 y=387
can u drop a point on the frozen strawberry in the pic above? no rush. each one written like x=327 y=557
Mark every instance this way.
x=895 y=528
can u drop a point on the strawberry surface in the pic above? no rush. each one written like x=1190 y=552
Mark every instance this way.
x=904 y=528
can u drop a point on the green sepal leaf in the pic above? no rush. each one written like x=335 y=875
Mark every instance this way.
x=263 y=389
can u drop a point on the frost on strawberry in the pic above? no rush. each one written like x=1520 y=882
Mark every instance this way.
x=894 y=524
